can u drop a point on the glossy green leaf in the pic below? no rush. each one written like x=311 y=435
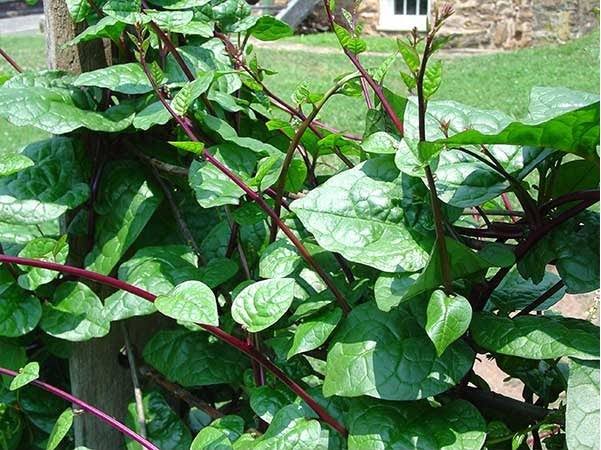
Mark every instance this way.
x=78 y=9
x=569 y=248
x=192 y=359
x=153 y=114
x=380 y=143
x=536 y=337
x=389 y=356
x=179 y=4
x=11 y=427
x=462 y=261
x=45 y=249
x=448 y=318
x=432 y=78
x=263 y=303
x=190 y=92
x=409 y=54
x=455 y=426
x=125 y=78
x=61 y=429
x=11 y=163
x=124 y=206
x=57 y=111
x=20 y=312
x=269 y=28
x=211 y=438
x=582 y=412
x=515 y=293
x=574 y=176
x=279 y=260
x=48 y=189
x=26 y=375
x=163 y=426
x=290 y=429
x=211 y=186
x=314 y=332
x=266 y=401
x=362 y=214
x=348 y=41
x=389 y=289
x=75 y=314
x=548 y=102
x=107 y=27
x=574 y=132
x=127 y=11
x=191 y=301
x=12 y=356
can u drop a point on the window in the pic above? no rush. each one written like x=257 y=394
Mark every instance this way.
x=401 y=15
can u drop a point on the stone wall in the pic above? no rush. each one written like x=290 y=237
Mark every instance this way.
x=503 y=24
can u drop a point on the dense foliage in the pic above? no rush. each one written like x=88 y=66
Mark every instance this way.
x=324 y=290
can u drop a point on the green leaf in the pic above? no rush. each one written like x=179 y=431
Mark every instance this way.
x=432 y=78
x=448 y=318
x=60 y=430
x=389 y=289
x=515 y=293
x=211 y=186
x=157 y=270
x=188 y=146
x=362 y=214
x=353 y=44
x=269 y=28
x=314 y=332
x=75 y=314
x=290 y=429
x=107 y=27
x=127 y=11
x=153 y=114
x=179 y=4
x=569 y=248
x=57 y=111
x=462 y=262
x=44 y=249
x=211 y=438
x=380 y=143
x=48 y=189
x=170 y=20
x=389 y=356
x=26 y=375
x=11 y=163
x=549 y=102
x=20 y=312
x=207 y=57
x=573 y=132
x=574 y=176
x=455 y=426
x=279 y=260
x=11 y=427
x=192 y=359
x=266 y=401
x=186 y=96
x=191 y=301
x=263 y=303
x=12 y=356
x=536 y=337
x=163 y=426
x=78 y=9
x=409 y=54
x=582 y=411
x=125 y=78
x=125 y=204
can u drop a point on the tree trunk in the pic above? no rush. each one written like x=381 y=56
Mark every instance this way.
x=96 y=374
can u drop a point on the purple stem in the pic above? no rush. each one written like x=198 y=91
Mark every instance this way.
x=109 y=420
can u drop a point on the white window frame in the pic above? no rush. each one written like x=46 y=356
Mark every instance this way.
x=389 y=21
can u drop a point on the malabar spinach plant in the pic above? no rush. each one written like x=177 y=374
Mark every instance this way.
x=323 y=290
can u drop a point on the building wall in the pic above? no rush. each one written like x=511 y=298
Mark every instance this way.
x=503 y=24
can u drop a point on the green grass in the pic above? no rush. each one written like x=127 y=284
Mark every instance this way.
x=493 y=81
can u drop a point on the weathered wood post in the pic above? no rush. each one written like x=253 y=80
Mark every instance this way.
x=96 y=375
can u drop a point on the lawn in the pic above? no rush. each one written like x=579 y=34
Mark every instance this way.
x=495 y=81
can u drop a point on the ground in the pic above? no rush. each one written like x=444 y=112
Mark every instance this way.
x=499 y=80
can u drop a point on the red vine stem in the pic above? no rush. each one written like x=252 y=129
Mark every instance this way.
x=187 y=126
x=11 y=61
x=109 y=420
x=215 y=331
